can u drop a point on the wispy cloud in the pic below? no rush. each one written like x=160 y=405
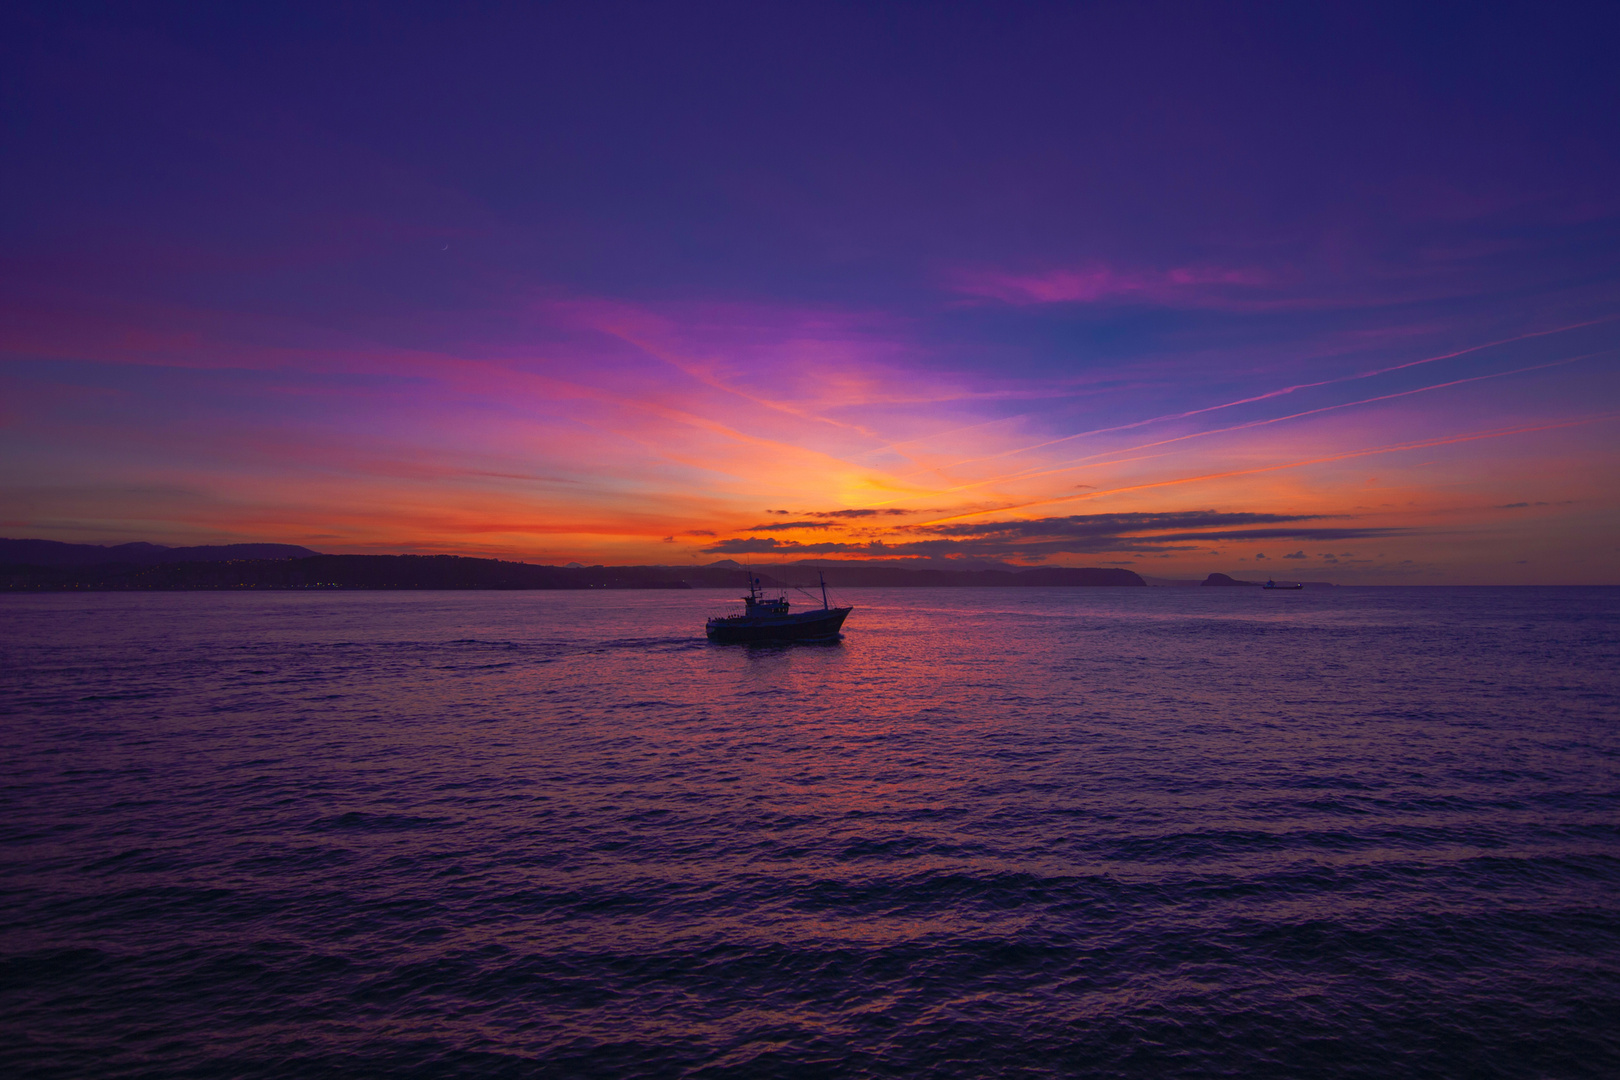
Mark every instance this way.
x=1098 y=283
x=1110 y=524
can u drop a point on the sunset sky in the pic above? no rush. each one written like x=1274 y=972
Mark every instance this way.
x=1323 y=292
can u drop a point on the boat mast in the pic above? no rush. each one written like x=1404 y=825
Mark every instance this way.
x=822 y=575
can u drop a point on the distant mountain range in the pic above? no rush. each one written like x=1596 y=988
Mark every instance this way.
x=888 y=575
x=49 y=566
x=55 y=553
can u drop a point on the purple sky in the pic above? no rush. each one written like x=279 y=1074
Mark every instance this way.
x=1167 y=286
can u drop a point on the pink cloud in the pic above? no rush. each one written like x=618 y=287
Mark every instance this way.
x=1184 y=286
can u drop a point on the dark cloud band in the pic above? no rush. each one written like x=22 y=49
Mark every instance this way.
x=1080 y=534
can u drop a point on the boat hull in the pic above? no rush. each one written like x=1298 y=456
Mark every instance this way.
x=805 y=626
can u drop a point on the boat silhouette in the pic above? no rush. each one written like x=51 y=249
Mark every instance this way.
x=769 y=619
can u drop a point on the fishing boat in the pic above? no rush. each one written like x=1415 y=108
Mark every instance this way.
x=1273 y=585
x=768 y=619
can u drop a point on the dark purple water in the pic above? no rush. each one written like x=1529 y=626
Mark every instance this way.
x=993 y=833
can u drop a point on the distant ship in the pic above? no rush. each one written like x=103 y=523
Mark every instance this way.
x=1273 y=585
x=767 y=619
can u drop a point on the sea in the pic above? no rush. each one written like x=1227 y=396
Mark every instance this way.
x=1081 y=832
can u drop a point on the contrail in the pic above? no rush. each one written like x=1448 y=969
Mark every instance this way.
x=1447 y=441
x=1077 y=462
x=1279 y=393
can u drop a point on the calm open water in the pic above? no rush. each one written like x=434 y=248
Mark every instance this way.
x=993 y=833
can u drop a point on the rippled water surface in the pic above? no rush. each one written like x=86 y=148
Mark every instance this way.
x=1021 y=833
